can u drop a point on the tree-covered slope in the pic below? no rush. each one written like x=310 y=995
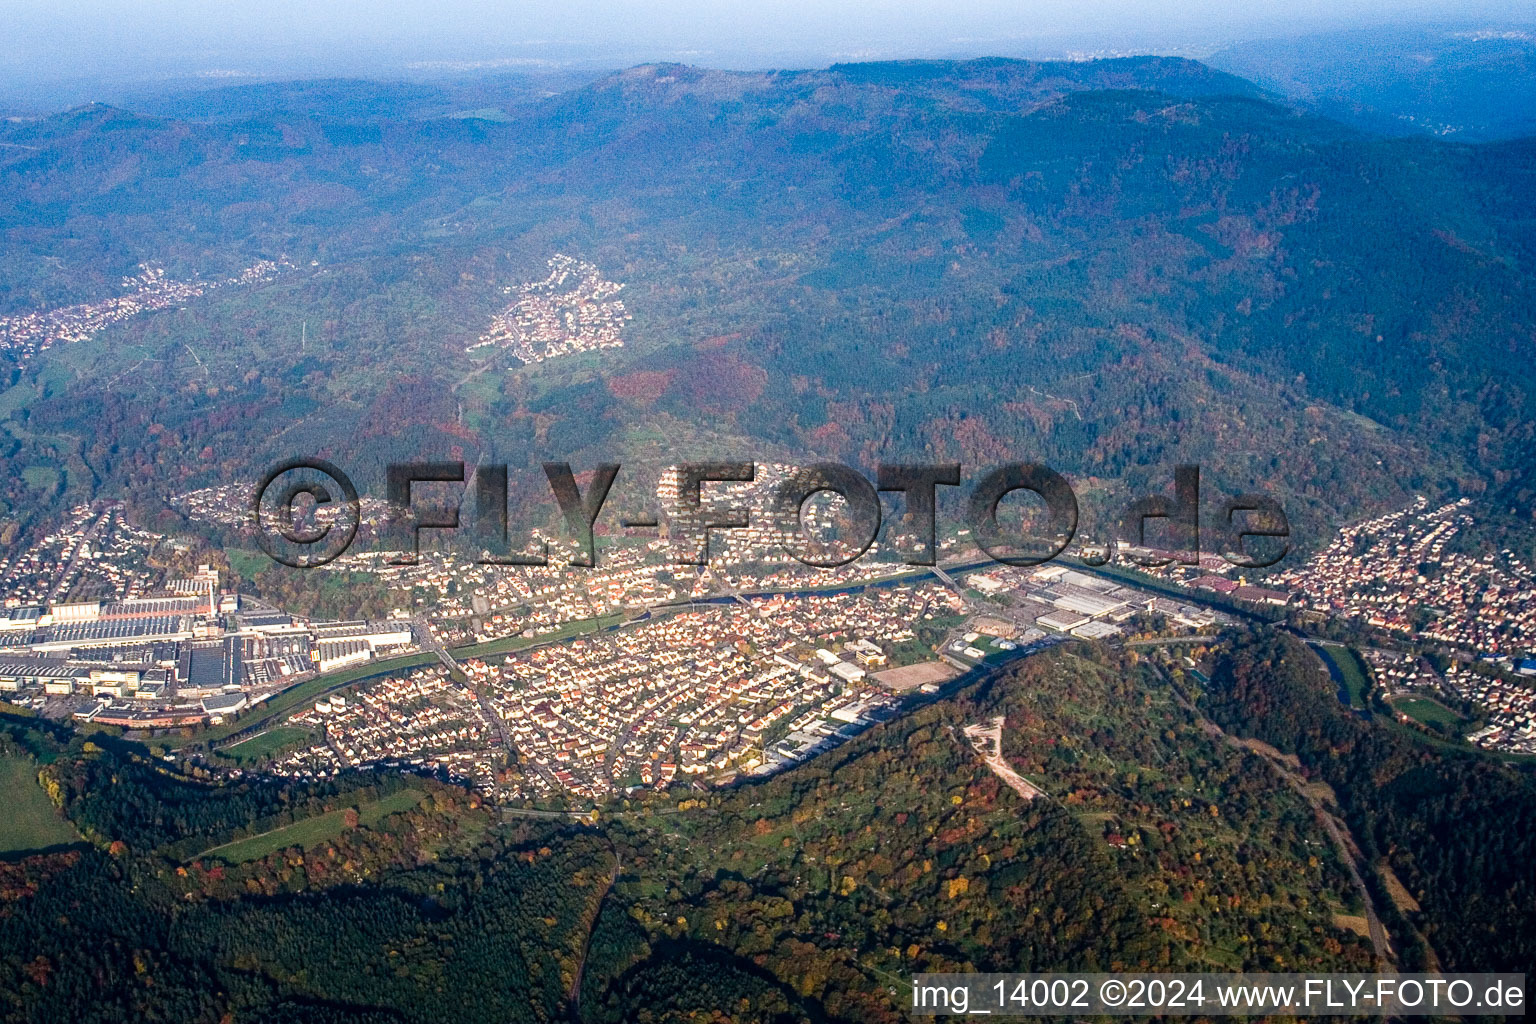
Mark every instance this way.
x=1456 y=828
x=811 y=896
x=1158 y=847
x=1110 y=266
x=1156 y=844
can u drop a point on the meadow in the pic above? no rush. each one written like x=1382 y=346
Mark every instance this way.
x=30 y=821
x=311 y=832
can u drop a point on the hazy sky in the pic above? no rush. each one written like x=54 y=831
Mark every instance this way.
x=44 y=41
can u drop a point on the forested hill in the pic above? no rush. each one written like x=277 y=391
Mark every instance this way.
x=808 y=897
x=1110 y=266
x=1457 y=829
x=1157 y=844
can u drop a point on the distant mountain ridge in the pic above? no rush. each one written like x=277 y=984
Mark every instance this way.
x=1111 y=266
x=1468 y=82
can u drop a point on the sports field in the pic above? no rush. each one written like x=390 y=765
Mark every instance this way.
x=266 y=744
x=1426 y=710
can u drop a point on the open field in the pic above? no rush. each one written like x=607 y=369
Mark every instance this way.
x=1353 y=922
x=908 y=676
x=246 y=563
x=1426 y=710
x=30 y=822
x=991 y=654
x=1265 y=750
x=265 y=744
x=41 y=478
x=1430 y=739
x=1401 y=897
x=1344 y=665
x=910 y=652
x=313 y=831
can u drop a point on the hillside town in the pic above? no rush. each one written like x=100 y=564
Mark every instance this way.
x=707 y=693
x=421 y=719
x=1510 y=706
x=572 y=310
x=697 y=677
x=473 y=600
x=1401 y=572
x=27 y=334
